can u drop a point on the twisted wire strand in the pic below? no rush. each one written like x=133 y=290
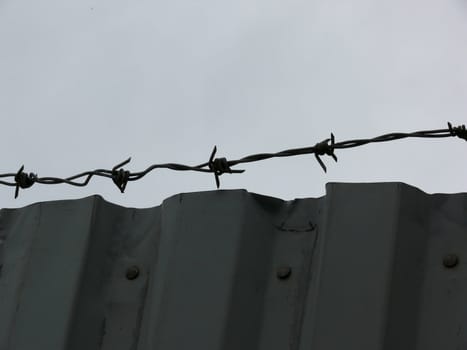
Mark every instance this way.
x=219 y=166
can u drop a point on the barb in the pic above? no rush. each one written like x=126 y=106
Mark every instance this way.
x=218 y=166
x=324 y=148
x=24 y=180
x=120 y=177
x=459 y=131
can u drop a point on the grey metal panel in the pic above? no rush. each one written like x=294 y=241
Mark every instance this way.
x=366 y=272
x=357 y=254
x=42 y=259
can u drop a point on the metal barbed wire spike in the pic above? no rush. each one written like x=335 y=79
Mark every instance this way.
x=459 y=131
x=324 y=148
x=23 y=180
x=218 y=166
x=120 y=177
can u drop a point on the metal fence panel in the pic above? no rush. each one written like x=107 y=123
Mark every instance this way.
x=367 y=267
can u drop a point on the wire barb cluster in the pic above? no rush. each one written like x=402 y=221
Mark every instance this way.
x=218 y=166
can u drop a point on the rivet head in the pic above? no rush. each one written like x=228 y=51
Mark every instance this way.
x=132 y=272
x=450 y=260
x=283 y=272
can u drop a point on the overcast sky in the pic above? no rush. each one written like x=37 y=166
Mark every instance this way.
x=86 y=84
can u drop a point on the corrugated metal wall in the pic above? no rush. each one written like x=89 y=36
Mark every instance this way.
x=367 y=267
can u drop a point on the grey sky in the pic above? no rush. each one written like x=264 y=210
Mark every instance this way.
x=85 y=84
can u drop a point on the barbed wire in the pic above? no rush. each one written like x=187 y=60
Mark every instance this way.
x=218 y=166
